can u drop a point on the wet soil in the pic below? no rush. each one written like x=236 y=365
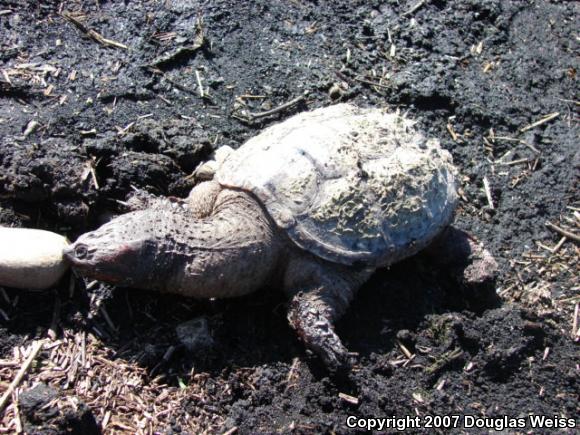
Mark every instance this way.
x=83 y=122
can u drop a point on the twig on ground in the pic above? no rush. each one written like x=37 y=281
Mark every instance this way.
x=199 y=85
x=31 y=127
x=94 y=35
x=576 y=102
x=347 y=79
x=370 y=82
x=559 y=244
x=251 y=117
x=35 y=348
x=575 y=320
x=94 y=163
x=540 y=121
x=546 y=353
x=404 y=349
x=452 y=132
x=487 y=190
x=16 y=410
x=348 y=398
x=523 y=142
x=555 y=248
x=563 y=232
x=514 y=162
x=292 y=374
x=170 y=80
x=241 y=98
x=414 y=9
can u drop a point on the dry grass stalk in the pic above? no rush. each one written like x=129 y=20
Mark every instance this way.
x=33 y=352
x=120 y=393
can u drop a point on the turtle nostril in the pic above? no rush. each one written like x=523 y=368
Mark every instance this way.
x=81 y=251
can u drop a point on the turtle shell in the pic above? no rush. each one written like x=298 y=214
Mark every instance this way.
x=350 y=185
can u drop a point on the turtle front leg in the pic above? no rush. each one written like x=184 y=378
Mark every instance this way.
x=202 y=198
x=321 y=292
x=312 y=316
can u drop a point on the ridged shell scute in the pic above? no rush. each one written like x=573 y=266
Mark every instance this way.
x=350 y=185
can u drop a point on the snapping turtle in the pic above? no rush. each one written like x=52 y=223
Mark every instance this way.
x=314 y=204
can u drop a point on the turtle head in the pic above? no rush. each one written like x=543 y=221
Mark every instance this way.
x=120 y=252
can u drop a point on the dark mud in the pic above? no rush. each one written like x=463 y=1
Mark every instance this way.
x=81 y=124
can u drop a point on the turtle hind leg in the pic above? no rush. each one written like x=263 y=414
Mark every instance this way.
x=321 y=293
x=467 y=263
x=463 y=255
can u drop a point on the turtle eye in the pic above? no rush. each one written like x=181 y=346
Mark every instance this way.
x=81 y=251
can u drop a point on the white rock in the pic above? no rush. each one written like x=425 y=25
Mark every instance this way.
x=31 y=259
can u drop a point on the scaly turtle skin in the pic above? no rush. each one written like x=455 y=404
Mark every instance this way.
x=315 y=203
